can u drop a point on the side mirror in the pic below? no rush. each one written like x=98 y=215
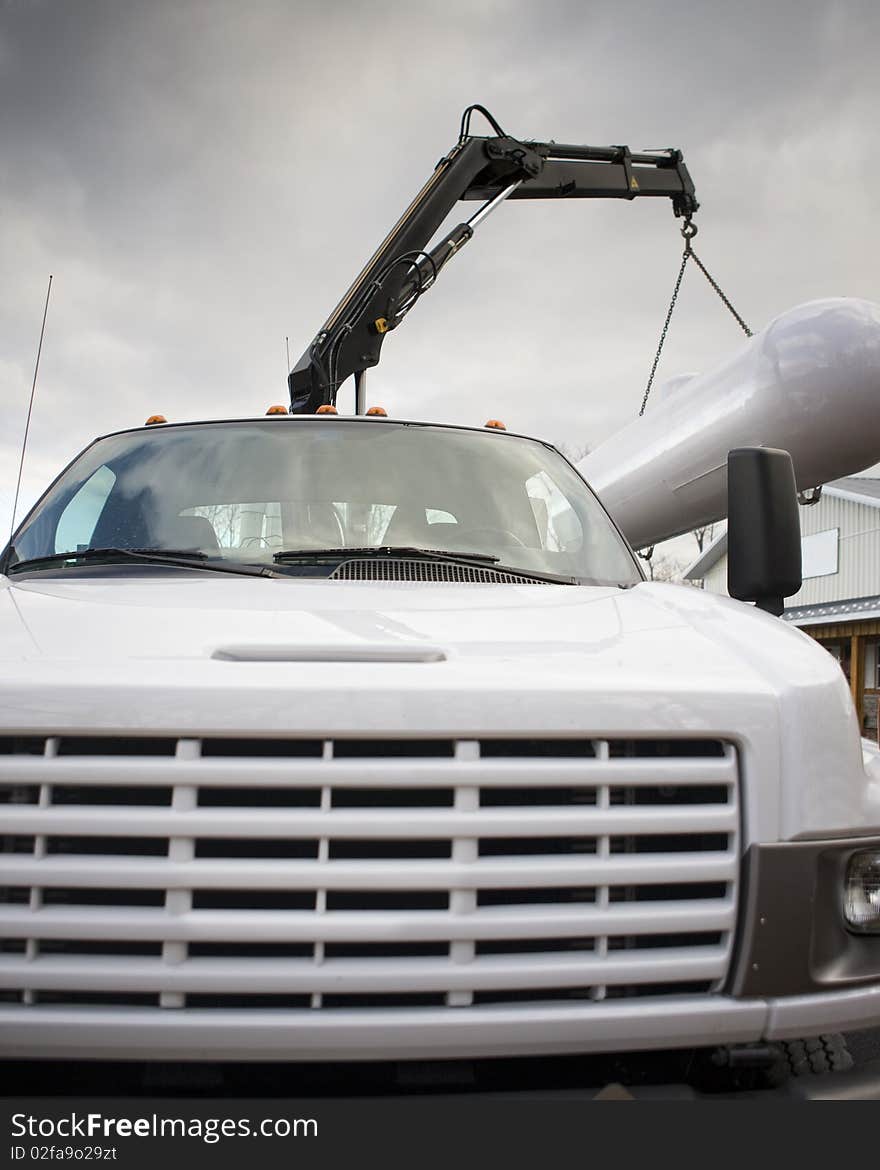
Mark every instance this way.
x=763 y=527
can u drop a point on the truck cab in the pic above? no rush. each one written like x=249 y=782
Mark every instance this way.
x=357 y=739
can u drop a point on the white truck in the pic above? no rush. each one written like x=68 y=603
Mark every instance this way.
x=358 y=739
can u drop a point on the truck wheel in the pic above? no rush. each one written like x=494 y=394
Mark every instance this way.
x=820 y=1054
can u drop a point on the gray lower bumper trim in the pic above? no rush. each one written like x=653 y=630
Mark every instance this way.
x=190 y=1034
x=840 y=1011
x=426 y=1033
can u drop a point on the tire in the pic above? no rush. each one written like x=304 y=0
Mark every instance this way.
x=818 y=1055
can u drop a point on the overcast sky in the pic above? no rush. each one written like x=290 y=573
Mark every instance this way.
x=203 y=178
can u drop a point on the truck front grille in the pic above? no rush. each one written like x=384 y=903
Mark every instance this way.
x=357 y=874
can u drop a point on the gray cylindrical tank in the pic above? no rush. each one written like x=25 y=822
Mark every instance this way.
x=809 y=383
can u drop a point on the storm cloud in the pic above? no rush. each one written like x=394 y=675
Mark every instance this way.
x=206 y=178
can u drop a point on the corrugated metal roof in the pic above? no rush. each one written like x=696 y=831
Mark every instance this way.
x=860 y=608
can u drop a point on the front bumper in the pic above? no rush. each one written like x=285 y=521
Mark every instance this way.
x=426 y=1034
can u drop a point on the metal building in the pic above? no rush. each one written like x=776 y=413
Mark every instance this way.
x=839 y=602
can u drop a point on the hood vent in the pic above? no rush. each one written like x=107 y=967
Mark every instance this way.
x=366 y=653
x=400 y=569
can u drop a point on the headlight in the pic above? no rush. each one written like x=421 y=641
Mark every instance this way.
x=861 y=896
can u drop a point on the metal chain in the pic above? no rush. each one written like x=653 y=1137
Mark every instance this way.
x=689 y=230
x=699 y=263
x=684 y=259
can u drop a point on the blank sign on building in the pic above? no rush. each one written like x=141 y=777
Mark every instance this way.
x=819 y=553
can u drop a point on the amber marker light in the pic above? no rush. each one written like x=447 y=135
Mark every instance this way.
x=277 y=410
x=155 y=419
x=326 y=409
x=378 y=410
x=495 y=424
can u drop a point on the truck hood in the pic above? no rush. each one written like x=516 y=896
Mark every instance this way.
x=651 y=631
x=195 y=654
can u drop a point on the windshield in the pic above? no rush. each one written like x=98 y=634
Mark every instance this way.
x=244 y=492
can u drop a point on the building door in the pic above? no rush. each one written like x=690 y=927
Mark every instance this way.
x=841 y=649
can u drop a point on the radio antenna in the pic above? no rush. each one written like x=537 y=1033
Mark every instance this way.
x=30 y=409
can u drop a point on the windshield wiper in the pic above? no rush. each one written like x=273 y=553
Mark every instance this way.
x=371 y=550
x=184 y=558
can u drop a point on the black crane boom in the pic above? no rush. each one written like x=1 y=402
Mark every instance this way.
x=477 y=168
